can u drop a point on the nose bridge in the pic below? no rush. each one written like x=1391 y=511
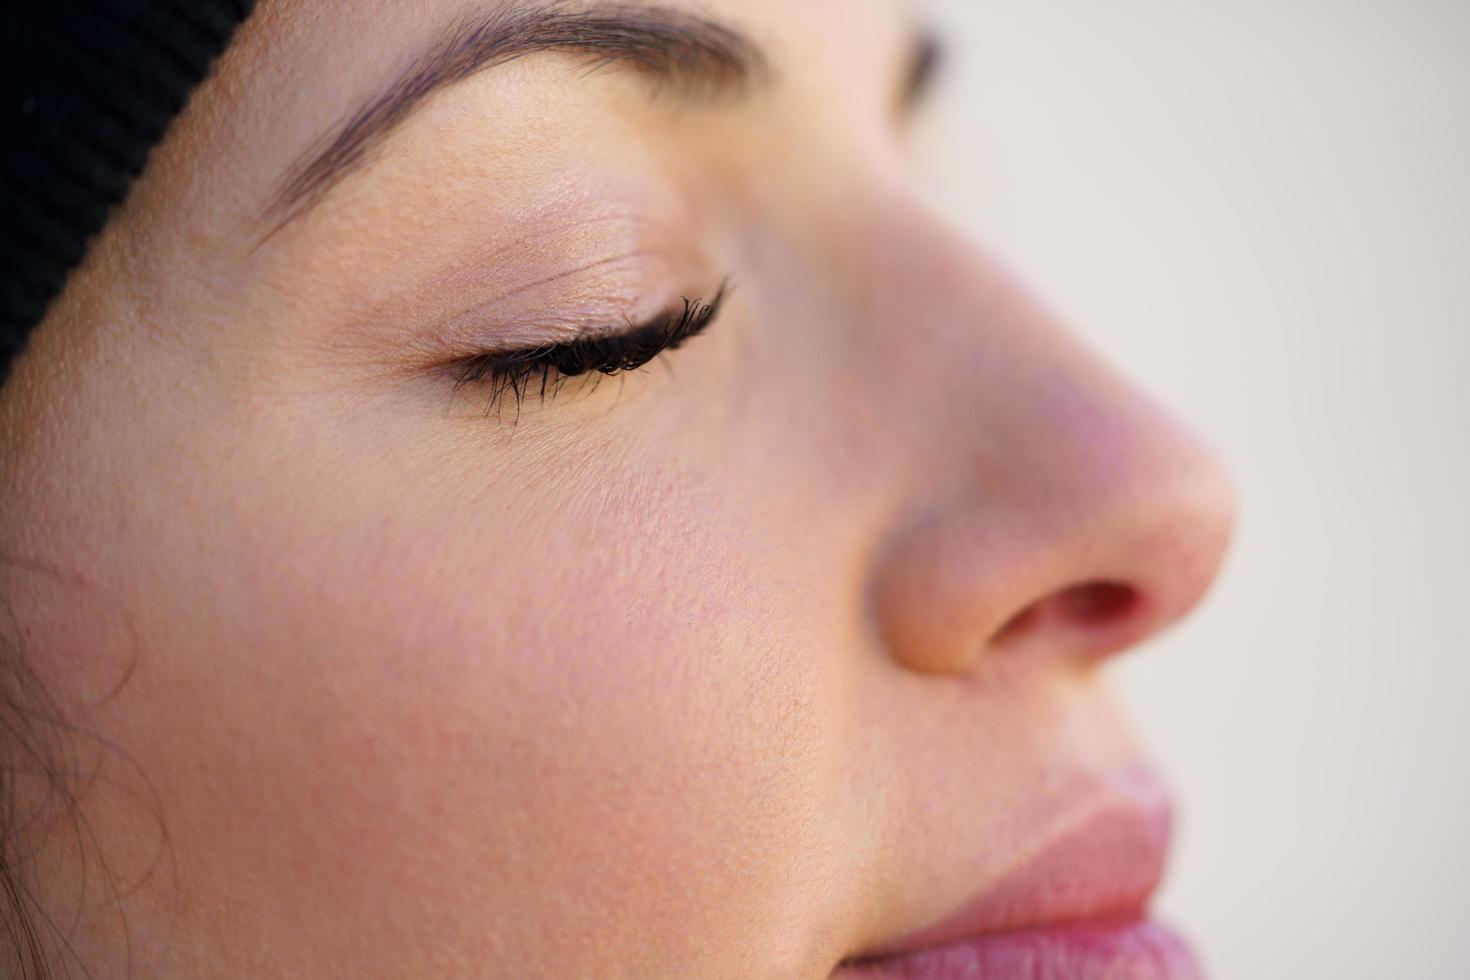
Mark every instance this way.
x=1052 y=504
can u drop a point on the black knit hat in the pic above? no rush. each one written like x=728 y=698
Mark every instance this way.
x=87 y=89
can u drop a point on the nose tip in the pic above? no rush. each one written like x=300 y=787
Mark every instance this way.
x=1162 y=562
x=1083 y=569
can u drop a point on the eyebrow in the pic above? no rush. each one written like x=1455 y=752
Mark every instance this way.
x=697 y=57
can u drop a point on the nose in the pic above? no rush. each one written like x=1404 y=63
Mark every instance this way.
x=1055 y=508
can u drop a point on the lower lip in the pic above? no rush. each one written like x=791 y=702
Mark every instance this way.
x=1085 y=951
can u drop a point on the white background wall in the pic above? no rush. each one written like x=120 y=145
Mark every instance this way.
x=1261 y=209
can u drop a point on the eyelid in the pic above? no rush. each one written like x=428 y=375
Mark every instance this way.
x=598 y=297
x=545 y=368
x=592 y=260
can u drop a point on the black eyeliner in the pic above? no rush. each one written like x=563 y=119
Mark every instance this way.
x=546 y=368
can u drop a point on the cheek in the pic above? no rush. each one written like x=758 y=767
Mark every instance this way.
x=600 y=707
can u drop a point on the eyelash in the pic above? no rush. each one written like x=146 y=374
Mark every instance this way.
x=544 y=370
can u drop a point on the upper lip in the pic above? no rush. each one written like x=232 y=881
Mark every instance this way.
x=1102 y=865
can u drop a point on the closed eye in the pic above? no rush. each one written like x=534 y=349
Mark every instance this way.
x=544 y=370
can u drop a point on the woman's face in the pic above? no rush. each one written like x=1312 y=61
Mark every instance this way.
x=395 y=652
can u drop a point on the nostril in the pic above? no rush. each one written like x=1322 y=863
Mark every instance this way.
x=1096 y=604
x=1090 y=606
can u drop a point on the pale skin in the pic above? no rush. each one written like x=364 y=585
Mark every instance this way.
x=735 y=666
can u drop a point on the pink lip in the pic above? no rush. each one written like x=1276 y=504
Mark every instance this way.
x=1074 y=909
x=1086 y=951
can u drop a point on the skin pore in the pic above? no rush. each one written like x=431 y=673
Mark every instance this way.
x=739 y=665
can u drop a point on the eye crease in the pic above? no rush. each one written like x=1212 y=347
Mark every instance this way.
x=545 y=369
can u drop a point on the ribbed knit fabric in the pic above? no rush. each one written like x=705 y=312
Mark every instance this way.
x=87 y=89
